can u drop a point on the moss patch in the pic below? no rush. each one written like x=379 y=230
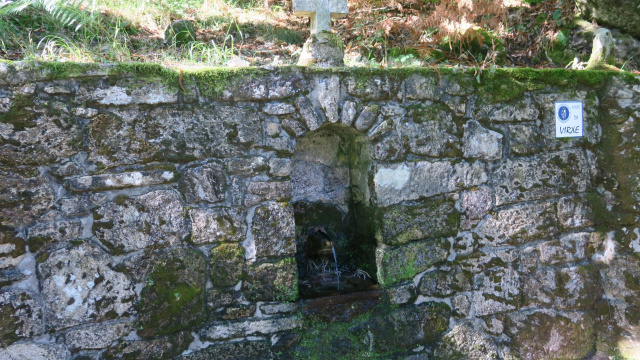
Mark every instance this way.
x=272 y=281
x=227 y=261
x=404 y=262
x=173 y=298
x=384 y=332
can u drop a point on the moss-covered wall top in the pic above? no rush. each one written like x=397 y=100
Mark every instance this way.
x=153 y=213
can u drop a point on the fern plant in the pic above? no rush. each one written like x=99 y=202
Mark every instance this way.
x=66 y=12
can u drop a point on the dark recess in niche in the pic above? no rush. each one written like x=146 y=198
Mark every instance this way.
x=334 y=219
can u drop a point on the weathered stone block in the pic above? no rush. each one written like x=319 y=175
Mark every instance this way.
x=246 y=166
x=349 y=110
x=260 y=191
x=461 y=306
x=457 y=104
x=278 y=308
x=405 y=181
x=35 y=351
x=324 y=183
x=20 y=316
x=408 y=327
x=466 y=341
x=273 y=230
x=388 y=145
x=206 y=183
x=399 y=224
x=79 y=286
x=127 y=136
x=444 y=283
x=236 y=312
x=312 y=119
x=5 y=104
x=272 y=281
x=219 y=298
x=128 y=91
x=328 y=93
x=96 y=336
x=130 y=224
x=477 y=202
x=217 y=225
x=226 y=264
x=524 y=139
x=518 y=110
x=23 y=197
x=12 y=249
x=404 y=262
x=542 y=176
x=31 y=138
x=279 y=167
x=173 y=297
x=44 y=234
x=279 y=140
x=420 y=87
x=569 y=248
x=120 y=181
x=367 y=118
x=257 y=85
x=479 y=142
x=373 y=87
x=551 y=335
x=164 y=347
x=575 y=212
x=247 y=350
x=519 y=223
x=435 y=138
x=496 y=291
x=564 y=288
x=278 y=108
x=250 y=327
x=402 y=293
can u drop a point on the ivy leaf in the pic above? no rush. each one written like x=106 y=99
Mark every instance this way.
x=557 y=14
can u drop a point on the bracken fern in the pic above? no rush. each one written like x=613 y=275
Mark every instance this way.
x=66 y=12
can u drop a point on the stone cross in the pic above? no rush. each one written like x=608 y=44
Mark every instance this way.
x=321 y=12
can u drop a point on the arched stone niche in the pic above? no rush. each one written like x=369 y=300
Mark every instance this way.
x=335 y=237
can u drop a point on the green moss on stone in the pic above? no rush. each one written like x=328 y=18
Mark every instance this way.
x=227 y=261
x=9 y=324
x=173 y=298
x=213 y=82
x=384 y=332
x=19 y=114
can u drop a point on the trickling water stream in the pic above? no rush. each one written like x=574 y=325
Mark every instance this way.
x=335 y=258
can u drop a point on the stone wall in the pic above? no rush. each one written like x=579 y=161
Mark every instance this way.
x=153 y=214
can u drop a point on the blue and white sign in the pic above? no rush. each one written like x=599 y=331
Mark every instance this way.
x=568 y=118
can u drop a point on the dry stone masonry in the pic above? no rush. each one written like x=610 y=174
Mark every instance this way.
x=146 y=214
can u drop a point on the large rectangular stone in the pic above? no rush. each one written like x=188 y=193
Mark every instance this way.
x=119 y=181
x=542 y=176
x=411 y=181
x=228 y=330
x=401 y=223
x=404 y=262
x=519 y=223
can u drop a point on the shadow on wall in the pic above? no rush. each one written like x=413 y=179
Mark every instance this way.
x=334 y=218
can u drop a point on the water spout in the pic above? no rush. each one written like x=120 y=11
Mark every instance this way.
x=335 y=258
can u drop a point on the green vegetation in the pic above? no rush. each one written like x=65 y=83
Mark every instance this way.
x=383 y=332
x=173 y=298
x=376 y=34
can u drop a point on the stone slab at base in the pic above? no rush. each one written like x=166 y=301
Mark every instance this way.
x=324 y=50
